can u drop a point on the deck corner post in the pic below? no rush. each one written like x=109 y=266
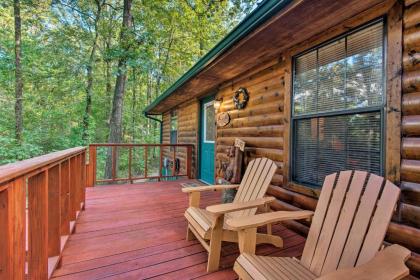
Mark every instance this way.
x=91 y=167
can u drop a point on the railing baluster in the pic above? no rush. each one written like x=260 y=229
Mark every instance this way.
x=54 y=213
x=38 y=226
x=114 y=162
x=79 y=182
x=145 y=160
x=189 y=162
x=160 y=162
x=73 y=189
x=65 y=198
x=173 y=161
x=83 y=175
x=130 y=154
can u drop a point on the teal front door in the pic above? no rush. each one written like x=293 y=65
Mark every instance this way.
x=207 y=138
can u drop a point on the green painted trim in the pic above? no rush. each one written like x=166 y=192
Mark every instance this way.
x=261 y=14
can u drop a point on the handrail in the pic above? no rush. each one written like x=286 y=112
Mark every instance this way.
x=173 y=154
x=16 y=169
x=40 y=199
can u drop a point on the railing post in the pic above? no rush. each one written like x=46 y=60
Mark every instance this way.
x=38 y=226
x=12 y=233
x=91 y=167
x=189 y=162
x=54 y=213
x=160 y=162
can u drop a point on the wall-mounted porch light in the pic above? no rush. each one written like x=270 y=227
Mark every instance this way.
x=217 y=103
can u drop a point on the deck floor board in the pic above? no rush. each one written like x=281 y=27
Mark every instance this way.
x=138 y=232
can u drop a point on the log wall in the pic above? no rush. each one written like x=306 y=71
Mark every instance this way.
x=260 y=124
x=406 y=227
x=188 y=121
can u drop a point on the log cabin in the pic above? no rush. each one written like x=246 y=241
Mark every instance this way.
x=318 y=86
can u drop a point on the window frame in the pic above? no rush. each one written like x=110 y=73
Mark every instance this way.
x=173 y=114
x=377 y=108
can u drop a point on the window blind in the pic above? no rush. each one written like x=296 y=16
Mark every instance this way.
x=338 y=97
x=325 y=145
x=342 y=75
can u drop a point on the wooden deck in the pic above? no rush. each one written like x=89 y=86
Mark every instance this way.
x=138 y=232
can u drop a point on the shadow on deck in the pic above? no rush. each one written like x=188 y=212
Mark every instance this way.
x=138 y=232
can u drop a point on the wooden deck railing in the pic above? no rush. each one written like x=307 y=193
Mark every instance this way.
x=40 y=199
x=148 y=160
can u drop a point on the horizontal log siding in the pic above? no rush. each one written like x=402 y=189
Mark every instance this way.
x=259 y=124
x=188 y=123
x=410 y=163
x=166 y=128
x=405 y=229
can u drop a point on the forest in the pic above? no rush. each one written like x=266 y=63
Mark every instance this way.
x=74 y=72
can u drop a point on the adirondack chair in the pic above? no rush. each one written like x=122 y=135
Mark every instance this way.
x=207 y=225
x=347 y=231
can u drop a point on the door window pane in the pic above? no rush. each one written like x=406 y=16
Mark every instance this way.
x=209 y=123
x=174 y=128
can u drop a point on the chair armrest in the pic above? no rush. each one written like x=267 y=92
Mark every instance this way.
x=209 y=188
x=267 y=218
x=387 y=264
x=236 y=206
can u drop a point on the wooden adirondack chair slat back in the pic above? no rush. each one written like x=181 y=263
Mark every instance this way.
x=350 y=221
x=254 y=184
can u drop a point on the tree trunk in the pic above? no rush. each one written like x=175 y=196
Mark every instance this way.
x=149 y=98
x=18 y=74
x=133 y=107
x=115 y=125
x=89 y=76
x=108 y=65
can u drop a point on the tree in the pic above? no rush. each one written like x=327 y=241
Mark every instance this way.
x=89 y=73
x=73 y=57
x=18 y=74
x=115 y=125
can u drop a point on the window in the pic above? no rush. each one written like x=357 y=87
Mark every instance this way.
x=174 y=127
x=338 y=104
x=209 y=123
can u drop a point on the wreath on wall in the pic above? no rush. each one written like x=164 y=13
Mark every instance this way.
x=241 y=98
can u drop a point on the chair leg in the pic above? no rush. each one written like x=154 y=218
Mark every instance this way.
x=215 y=245
x=247 y=240
x=190 y=234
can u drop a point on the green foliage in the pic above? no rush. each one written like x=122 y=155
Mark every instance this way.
x=168 y=37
